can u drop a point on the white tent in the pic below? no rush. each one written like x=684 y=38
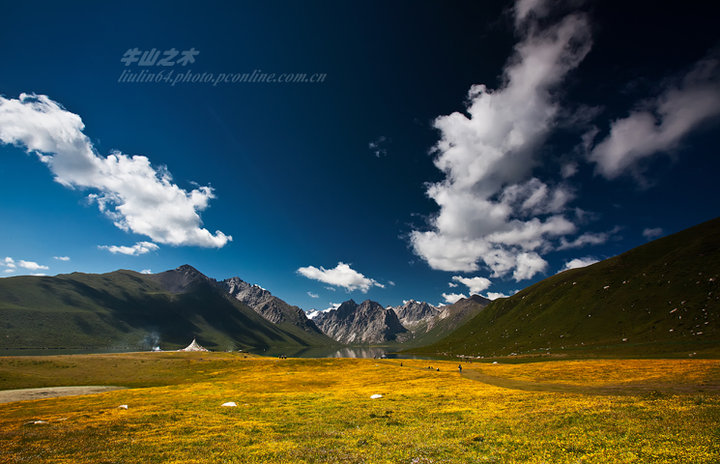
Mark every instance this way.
x=194 y=346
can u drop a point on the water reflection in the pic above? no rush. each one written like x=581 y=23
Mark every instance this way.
x=342 y=352
x=376 y=352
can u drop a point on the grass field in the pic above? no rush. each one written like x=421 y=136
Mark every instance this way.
x=320 y=410
x=661 y=299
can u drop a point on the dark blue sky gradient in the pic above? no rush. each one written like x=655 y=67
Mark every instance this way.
x=295 y=181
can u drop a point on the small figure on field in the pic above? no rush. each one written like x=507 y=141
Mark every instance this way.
x=460 y=368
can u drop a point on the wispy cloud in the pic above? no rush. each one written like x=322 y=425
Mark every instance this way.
x=140 y=248
x=313 y=295
x=492 y=211
x=341 y=275
x=378 y=147
x=136 y=196
x=587 y=239
x=651 y=233
x=659 y=124
x=62 y=258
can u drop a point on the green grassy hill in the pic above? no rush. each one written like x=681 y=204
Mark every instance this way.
x=659 y=299
x=126 y=310
x=448 y=320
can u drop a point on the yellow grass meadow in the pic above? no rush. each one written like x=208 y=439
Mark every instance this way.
x=321 y=411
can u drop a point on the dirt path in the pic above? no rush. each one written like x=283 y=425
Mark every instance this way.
x=8 y=396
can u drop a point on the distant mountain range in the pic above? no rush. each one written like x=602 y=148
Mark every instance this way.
x=414 y=314
x=659 y=299
x=361 y=324
x=414 y=323
x=287 y=317
x=125 y=310
x=428 y=323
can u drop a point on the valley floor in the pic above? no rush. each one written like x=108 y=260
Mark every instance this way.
x=320 y=410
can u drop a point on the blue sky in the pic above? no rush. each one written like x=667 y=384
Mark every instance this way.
x=396 y=177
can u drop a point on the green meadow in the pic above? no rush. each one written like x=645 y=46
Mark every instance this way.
x=321 y=410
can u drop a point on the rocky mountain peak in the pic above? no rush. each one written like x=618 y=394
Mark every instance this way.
x=365 y=323
x=346 y=308
x=180 y=279
x=268 y=306
x=187 y=268
x=370 y=305
x=250 y=294
x=412 y=312
x=479 y=299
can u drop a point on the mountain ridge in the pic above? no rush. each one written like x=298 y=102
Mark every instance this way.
x=413 y=313
x=364 y=323
x=123 y=310
x=273 y=308
x=659 y=299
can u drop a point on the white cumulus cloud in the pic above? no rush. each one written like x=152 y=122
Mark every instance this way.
x=660 y=123
x=140 y=248
x=579 y=262
x=451 y=298
x=527 y=265
x=474 y=284
x=341 y=275
x=11 y=265
x=136 y=196
x=495 y=295
x=493 y=212
x=31 y=265
x=146 y=271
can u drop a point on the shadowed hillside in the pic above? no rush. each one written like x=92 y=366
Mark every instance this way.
x=659 y=299
x=448 y=319
x=125 y=310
